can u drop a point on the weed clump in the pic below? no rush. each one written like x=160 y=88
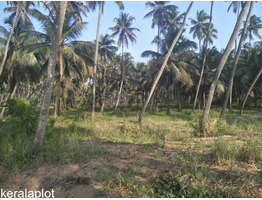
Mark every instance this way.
x=169 y=187
x=251 y=150
x=225 y=151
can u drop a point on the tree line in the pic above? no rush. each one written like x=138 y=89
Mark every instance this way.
x=53 y=66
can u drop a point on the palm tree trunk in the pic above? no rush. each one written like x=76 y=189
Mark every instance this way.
x=204 y=59
x=49 y=82
x=231 y=89
x=58 y=92
x=95 y=61
x=17 y=15
x=164 y=64
x=249 y=90
x=231 y=80
x=220 y=67
x=158 y=40
x=10 y=96
x=104 y=92
x=122 y=78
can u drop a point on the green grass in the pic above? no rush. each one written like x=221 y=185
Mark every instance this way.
x=66 y=141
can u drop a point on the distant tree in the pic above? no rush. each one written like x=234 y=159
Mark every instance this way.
x=160 y=13
x=164 y=63
x=199 y=27
x=106 y=51
x=92 y=5
x=206 y=37
x=126 y=32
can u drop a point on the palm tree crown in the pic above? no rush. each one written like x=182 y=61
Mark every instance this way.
x=199 y=26
x=253 y=28
x=106 y=48
x=124 y=30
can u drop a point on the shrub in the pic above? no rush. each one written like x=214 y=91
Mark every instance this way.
x=26 y=114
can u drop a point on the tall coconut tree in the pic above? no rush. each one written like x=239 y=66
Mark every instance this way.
x=160 y=11
x=231 y=80
x=72 y=29
x=49 y=82
x=92 y=5
x=164 y=63
x=125 y=32
x=203 y=131
x=200 y=19
x=106 y=51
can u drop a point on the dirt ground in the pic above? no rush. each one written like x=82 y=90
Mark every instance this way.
x=146 y=163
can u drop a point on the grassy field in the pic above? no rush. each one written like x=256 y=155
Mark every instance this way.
x=116 y=157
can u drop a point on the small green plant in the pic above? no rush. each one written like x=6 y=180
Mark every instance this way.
x=169 y=187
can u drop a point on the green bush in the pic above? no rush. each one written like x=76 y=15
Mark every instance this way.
x=26 y=114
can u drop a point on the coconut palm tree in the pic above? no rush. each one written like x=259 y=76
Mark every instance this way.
x=19 y=9
x=59 y=20
x=71 y=31
x=200 y=18
x=199 y=26
x=92 y=5
x=125 y=32
x=237 y=54
x=160 y=12
x=203 y=131
x=164 y=63
x=106 y=51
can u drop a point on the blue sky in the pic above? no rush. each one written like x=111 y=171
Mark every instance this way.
x=223 y=21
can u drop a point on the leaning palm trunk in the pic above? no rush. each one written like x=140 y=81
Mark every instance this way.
x=231 y=89
x=49 y=82
x=164 y=64
x=17 y=15
x=249 y=90
x=203 y=131
x=205 y=56
x=122 y=78
x=95 y=61
x=231 y=81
